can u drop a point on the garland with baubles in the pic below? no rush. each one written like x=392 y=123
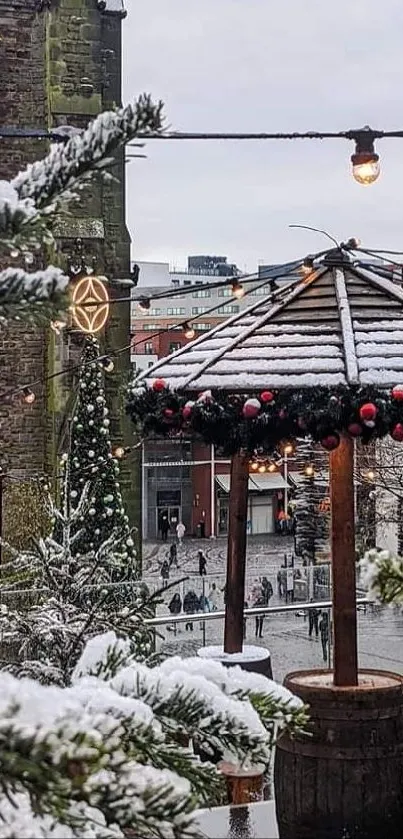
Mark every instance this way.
x=263 y=420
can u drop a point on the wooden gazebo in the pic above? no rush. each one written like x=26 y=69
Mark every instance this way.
x=334 y=336
x=321 y=358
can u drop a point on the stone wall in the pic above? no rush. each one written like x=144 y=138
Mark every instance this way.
x=63 y=66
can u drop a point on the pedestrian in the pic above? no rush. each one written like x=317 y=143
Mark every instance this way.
x=165 y=573
x=173 y=555
x=245 y=606
x=281 y=521
x=279 y=584
x=164 y=527
x=324 y=634
x=175 y=608
x=259 y=618
x=267 y=589
x=180 y=531
x=190 y=607
x=313 y=620
x=202 y=563
x=224 y=593
x=213 y=598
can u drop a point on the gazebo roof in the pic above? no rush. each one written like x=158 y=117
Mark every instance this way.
x=340 y=325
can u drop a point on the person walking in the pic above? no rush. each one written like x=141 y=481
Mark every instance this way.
x=180 y=531
x=313 y=620
x=324 y=629
x=175 y=608
x=257 y=599
x=213 y=598
x=173 y=555
x=165 y=573
x=190 y=607
x=164 y=527
x=202 y=564
x=267 y=589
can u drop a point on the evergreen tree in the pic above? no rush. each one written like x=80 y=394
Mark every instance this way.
x=69 y=597
x=311 y=518
x=90 y=459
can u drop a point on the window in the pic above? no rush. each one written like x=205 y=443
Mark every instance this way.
x=151 y=327
x=202 y=292
x=150 y=363
x=148 y=348
x=178 y=310
x=174 y=345
x=229 y=310
x=225 y=292
x=199 y=310
x=155 y=312
x=201 y=327
x=260 y=292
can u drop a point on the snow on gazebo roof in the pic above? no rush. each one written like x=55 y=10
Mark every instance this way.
x=340 y=325
x=320 y=357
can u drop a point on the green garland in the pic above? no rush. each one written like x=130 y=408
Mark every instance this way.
x=258 y=422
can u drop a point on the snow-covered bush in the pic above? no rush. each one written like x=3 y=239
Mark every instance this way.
x=381 y=574
x=103 y=756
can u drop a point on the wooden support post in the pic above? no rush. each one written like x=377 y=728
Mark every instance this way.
x=236 y=555
x=343 y=564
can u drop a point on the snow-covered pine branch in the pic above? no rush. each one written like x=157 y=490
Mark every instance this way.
x=46 y=180
x=33 y=298
x=381 y=575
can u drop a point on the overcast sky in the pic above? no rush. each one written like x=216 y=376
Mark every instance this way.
x=261 y=65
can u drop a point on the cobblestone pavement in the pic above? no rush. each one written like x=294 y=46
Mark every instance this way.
x=286 y=635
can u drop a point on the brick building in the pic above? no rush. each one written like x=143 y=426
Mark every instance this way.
x=61 y=64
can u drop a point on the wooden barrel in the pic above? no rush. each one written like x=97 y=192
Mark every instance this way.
x=253 y=659
x=346 y=779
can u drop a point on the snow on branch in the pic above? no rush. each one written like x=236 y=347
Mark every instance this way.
x=46 y=180
x=31 y=297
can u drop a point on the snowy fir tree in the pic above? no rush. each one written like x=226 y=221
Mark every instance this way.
x=90 y=459
x=104 y=758
x=30 y=201
x=69 y=597
x=311 y=516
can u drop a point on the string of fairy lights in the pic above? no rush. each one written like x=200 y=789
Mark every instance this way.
x=143 y=302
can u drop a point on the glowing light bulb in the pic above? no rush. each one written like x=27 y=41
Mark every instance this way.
x=288 y=448
x=366 y=167
x=262 y=468
x=309 y=470
x=272 y=467
x=238 y=290
x=119 y=452
x=189 y=331
x=370 y=475
x=307 y=266
x=254 y=466
x=107 y=364
x=28 y=395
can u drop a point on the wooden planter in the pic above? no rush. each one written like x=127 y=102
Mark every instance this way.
x=253 y=659
x=346 y=780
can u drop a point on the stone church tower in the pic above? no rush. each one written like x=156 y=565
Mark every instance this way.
x=61 y=64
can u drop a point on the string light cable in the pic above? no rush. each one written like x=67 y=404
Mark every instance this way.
x=364 y=161
x=105 y=360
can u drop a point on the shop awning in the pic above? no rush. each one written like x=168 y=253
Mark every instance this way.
x=260 y=483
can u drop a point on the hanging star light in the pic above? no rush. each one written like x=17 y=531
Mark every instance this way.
x=90 y=304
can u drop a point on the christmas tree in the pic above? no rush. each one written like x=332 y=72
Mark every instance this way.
x=69 y=598
x=311 y=514
x=90 y=459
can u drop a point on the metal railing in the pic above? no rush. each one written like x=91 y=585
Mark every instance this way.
x=249 y=612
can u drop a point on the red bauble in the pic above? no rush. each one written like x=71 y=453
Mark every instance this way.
x=168 y=413
x=158 y=385
x=397 y=393
x=251 y=408
x=354 y=429
x=330 y=442
x=187 y=410
x=368 y=411
x=397 y=432
x=266 y=396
